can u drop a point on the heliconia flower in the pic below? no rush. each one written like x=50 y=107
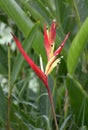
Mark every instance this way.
x=39 y=73
x=49 y=42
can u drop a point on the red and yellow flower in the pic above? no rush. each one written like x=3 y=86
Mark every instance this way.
x=53 y=60
x=49 y=43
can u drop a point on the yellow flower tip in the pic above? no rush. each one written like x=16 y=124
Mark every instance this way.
x=51 y=60
x=47 y=28
x=61 y=57
x=52 y=63
x=54 y=20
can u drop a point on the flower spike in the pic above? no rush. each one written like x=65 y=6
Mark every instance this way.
x=39 y=73
x=53 y=60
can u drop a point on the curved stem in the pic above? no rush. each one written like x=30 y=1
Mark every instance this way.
x=77 y=13
x=52 y=107
x=9 y=89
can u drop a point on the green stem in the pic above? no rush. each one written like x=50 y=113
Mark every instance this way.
x=77 y=13
x=53 y=92
x=52 y=107
x=9 y=89
x=54 y=88
x=66 y=106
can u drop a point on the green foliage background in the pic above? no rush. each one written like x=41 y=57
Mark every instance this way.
x=30 y=110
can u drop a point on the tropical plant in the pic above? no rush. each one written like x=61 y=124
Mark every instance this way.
x=24 y=102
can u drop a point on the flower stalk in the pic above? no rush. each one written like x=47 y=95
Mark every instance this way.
x=52 y=108
x=9 y=88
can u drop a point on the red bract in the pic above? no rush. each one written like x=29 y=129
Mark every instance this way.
x=57 y=52
x=35 y=68
x=46 y=41
x=49 y=39
x=53 y=31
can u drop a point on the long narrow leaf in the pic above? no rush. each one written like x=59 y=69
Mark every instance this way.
x=17 y=14
x=78 y=99
x=40 y=7
x=77 y=47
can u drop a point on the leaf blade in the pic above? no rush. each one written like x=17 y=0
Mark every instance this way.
x=17 y=14
x=77 y=47
x=78 y=99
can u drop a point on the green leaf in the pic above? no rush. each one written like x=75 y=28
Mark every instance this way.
x=77 y=47
x=3 y=60
x=3 y=70
x=40 y=7
x=65 y=122
x=28 y=8
x=74 y=6
x=19 y=61
x=78 y=99
x=24 y=120
x=17 y=14
x=39 y=46
x=60 y=6
x=43 y=98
